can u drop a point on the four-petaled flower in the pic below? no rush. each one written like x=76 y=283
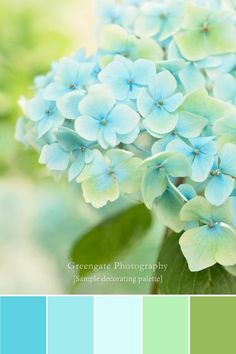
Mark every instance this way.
x=44 y=113
x=211 y=238
x=68 y=150
x=126 y=78
x=107 y=176
x=205 y=32
x=157 y=170
x=104 y=120
x=201 y=153
x=159 y=102
x=222 y=177
x=71 y=75
x=159 y=19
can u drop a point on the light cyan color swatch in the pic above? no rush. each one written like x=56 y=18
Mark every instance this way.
x=70 y=325
x=118 y=325
x=165 y=321
x=23 y=325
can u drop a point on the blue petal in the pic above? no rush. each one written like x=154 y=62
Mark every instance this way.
x=145 y=103
x=173 y=102
x=69 y=104
x=87 y=127
x=162 y=86
x=201 y=167
x=55 y=90
x=160 y=121
x=123 y=119
x=117 y=76
x=228 y=160
x=219 y=189
x=98 y=103
x=55 y=158
x=76 y=167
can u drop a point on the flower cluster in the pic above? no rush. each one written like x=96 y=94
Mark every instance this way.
x=151 y=116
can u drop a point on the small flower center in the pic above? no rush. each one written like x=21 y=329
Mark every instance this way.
x=205 y=27
x=215 y=172
x=48 y=112
x=103 y=121
x=111 y=173
x=211 y=224
x=130 y=83
x=162 y=16
x=196 y=152
x=72 y=86
x=160 y=102
x=82 y=148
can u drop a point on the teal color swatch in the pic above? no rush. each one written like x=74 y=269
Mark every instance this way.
x=23 y=325
x=70 y=325
x=118 y=325
x=165 y=326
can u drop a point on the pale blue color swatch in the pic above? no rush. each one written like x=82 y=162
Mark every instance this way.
x=118 y=325
x=70 y=325
x=23 y=325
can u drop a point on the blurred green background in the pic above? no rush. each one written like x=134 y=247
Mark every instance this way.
x=40 y=219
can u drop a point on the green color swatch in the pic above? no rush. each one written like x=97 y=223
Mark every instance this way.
x=165 y=325
x=213 y=321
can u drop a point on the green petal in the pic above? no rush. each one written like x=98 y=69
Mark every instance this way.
x=99 y=190
x=190 y=44
x=168 y=208
x=147 y=48
x=129 y=175
x=113 y=38
x=177 y=166
x=225 y=245
x=198 y=248
x=196 y=209
x=220 y=38
x=201 y=104
x=195 y=16
x=154 y=184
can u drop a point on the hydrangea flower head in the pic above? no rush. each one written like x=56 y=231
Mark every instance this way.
x=151 y=115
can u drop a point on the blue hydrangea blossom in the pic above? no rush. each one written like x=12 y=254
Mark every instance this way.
x=151 y=115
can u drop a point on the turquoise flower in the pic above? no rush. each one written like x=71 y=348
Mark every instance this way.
x=212 y=238
x=126 y=78
x=68 y=150
x=205 y=32
x=44 y=113
x=222 y=177
x=201 y=153
x=157 y=170
x=70 y=75
x=159 y=19
x=225 y=88
x=158 y=104
x=105 y=121
x=107 y=176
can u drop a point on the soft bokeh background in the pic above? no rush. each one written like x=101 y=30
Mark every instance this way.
x=40 y=219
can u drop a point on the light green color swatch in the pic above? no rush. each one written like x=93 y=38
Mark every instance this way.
x=213 y=321
x=165 y=325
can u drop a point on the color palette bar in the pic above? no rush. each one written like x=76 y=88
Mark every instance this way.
x=117 y=324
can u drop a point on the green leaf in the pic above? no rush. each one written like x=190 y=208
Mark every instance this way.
x=105 y=241
x=179 y=280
